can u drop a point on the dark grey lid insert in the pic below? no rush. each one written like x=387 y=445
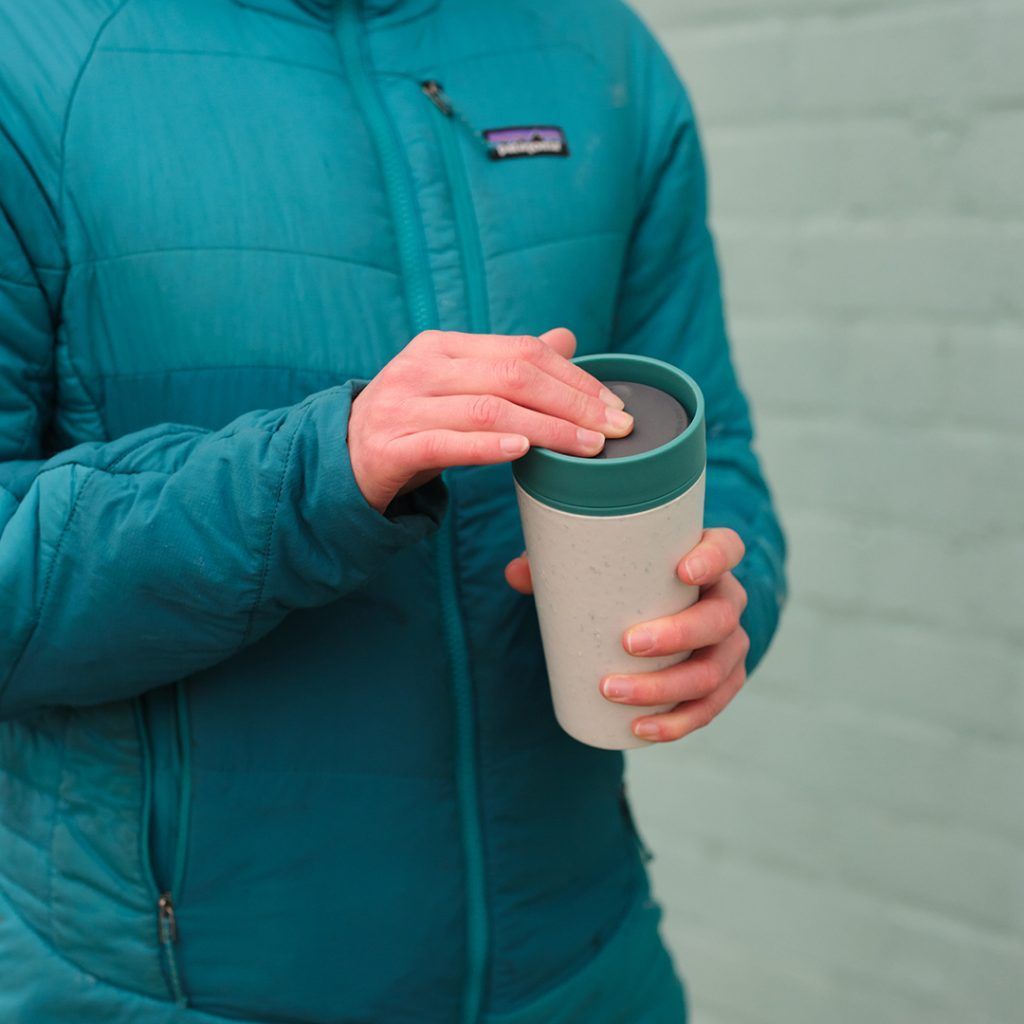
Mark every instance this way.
x=657 y=418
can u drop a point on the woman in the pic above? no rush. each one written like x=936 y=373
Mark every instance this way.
x=276 y=742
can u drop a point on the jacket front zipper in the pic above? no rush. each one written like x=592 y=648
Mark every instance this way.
x=472 y=263
x=422 y=305
x=164 y=894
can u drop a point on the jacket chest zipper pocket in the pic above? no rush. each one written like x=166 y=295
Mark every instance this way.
x=467 y=229
x=171 y=718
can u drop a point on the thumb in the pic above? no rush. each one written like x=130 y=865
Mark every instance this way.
x=561 y=339
x=517 y=573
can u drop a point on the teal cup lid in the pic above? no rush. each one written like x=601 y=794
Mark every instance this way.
x=631 y=483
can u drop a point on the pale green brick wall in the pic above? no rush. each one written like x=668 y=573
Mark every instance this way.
x=846 y=844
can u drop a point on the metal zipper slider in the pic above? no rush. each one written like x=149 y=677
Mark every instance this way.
x=436 y=94
x=437 y=97
x=167 y=921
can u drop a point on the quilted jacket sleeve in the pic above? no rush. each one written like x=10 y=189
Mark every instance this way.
x=670 y=307
x=135 y=562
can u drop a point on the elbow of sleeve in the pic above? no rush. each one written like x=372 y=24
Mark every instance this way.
x=764 y=578
x=741 y=500
x=181 y=548
x=326 y=539
x=32 y=534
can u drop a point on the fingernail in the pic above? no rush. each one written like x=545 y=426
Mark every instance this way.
x=514 y=445
x=647 y=730
x=639 y=640
x=590 y=439
x=618 y=419
x=617 y=688
x=696 y=568
x=612 y=399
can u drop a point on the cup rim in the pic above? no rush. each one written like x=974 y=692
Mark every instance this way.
x=585 y=485
x=694 y=426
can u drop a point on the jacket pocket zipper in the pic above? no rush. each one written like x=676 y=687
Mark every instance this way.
x=167 y=929
x=434 y=91
x=467 y=230
x=164 y=895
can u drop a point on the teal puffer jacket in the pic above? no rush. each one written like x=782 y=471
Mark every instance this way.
x=267 y=754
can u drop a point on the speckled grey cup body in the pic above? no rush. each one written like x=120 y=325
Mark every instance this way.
x=604 y=538
x=593 y=578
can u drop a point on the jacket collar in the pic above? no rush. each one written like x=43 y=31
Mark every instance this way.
x=324 y=10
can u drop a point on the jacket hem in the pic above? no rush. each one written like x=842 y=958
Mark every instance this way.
x=632 y=965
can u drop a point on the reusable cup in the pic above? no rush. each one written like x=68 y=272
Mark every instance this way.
x=604 y=535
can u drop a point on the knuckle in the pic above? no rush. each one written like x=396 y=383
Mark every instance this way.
x=431 y=447
x=674 y=638
x=388 y=406
x=512 y=374
x=727 y=618
x=704 y=716
x=732 y=617
x=524 y=346
x=403 y=370
x=374 y=442
x=480 y=450
x=650 y=693
x=379 y=453
x=703 y=719
x=484 y=410
x=689 y=621
x=718 y=562
x=744 y=642
x=560 y=434
x=584 y=407
x=426 y=339
x=673 y=731
x=741 y=548
x=709 y=678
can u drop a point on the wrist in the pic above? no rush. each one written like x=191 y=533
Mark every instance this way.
x=371 y=495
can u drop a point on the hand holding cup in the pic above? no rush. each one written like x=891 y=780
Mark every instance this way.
x=703 y=685
x=452 y=399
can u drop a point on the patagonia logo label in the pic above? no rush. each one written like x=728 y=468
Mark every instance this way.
x=530 y=140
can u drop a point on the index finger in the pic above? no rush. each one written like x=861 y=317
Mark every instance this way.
x=533 y=350
x=719 y=550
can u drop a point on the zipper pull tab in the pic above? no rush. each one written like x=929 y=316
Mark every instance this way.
x=436 y=94
x=167 y=921
x=437 y=97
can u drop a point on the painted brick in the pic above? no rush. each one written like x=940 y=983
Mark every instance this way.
x=921 y=959
x=876 y=165
x=845 y=843
x=984 y=375
x=843 y=267
x=957 y=481
x=896 y=59
x=752 y=66
x=1000 y=71
x=989 y=166
x=921 y=672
